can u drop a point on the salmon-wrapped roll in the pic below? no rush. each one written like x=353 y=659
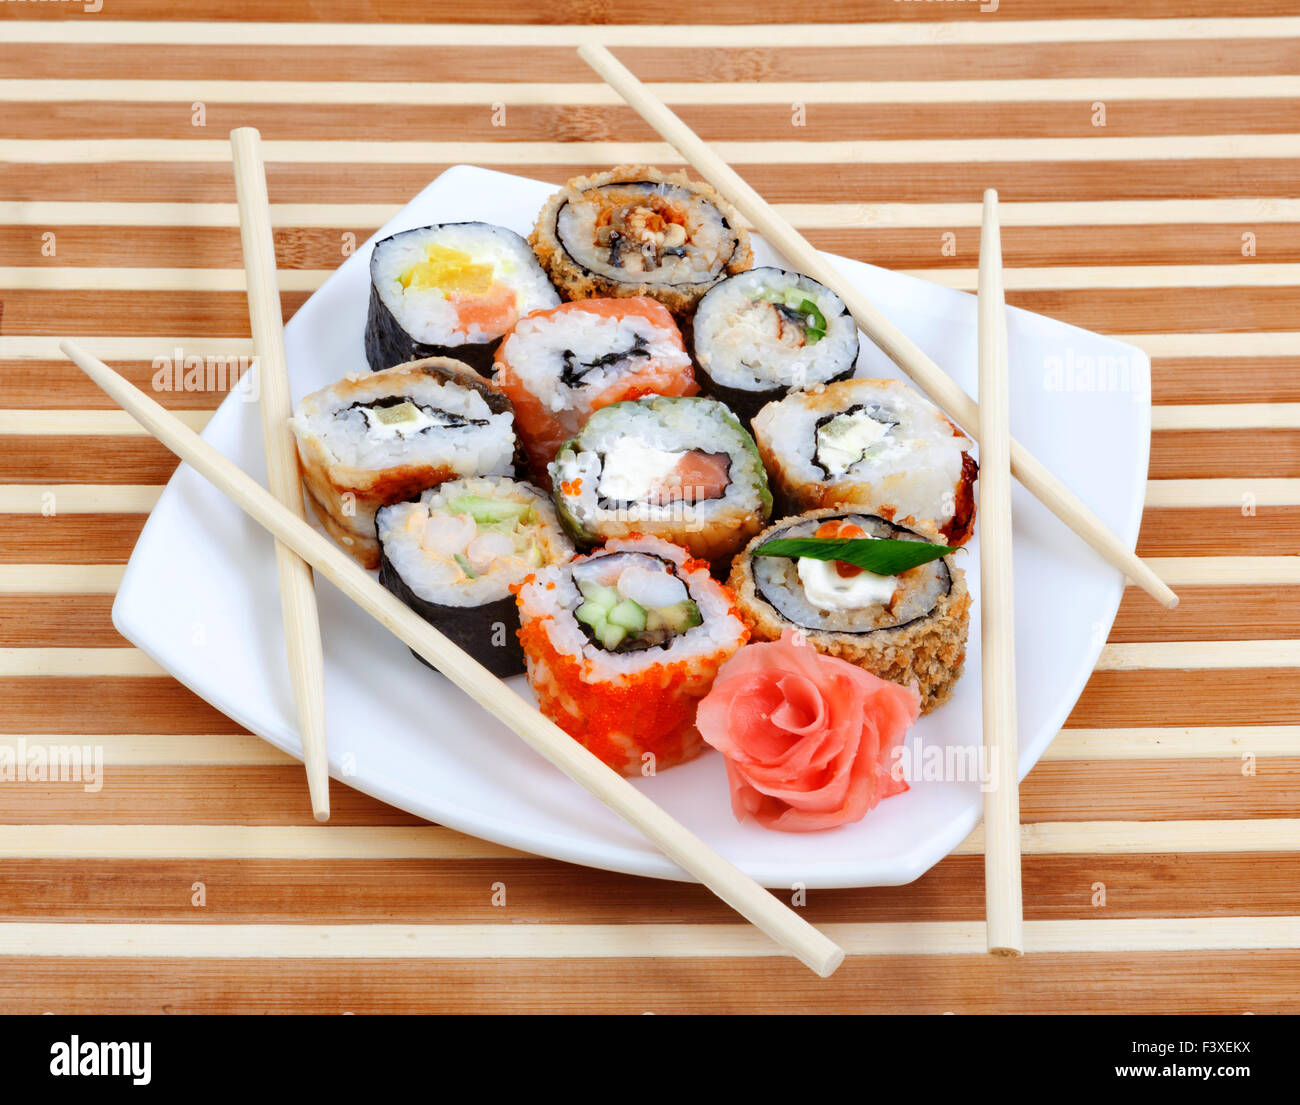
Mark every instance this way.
x=622 y=644
x=558 y=366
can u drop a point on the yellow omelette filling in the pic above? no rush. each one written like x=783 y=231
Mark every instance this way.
x=450 y=271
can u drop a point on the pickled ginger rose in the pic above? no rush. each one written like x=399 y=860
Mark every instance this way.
x=809 y=739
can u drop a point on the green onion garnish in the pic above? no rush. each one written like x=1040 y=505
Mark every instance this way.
x=815 y=328
x=880 y=555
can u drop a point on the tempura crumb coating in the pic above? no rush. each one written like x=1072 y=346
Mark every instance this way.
x=931 y=651
x=578 y=282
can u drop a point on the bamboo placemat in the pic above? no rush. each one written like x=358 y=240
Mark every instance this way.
x=1162 y=830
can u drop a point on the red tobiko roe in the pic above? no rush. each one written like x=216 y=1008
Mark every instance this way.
x=809 y=739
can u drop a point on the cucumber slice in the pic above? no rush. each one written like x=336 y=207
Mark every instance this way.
x=464 y=566
x=611 y=636
x=629 y=614
x=486 y=511
x=591 y=614
x=599 y=595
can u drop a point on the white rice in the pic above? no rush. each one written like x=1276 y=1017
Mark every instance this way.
x=535 y=351
x=737 y=338
x=670 y=426
x=721 y=628
x=426 y=313
x=348 y=438
x=913 y=469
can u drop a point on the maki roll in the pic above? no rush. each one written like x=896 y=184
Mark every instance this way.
x=454 y=554
x=908 y=628
x=758 y=335
x=637 y=231
x=872 y=444
x=559 y=365
x=679 y=468
x=450 y=291
x=368 y=441
x=621 y=645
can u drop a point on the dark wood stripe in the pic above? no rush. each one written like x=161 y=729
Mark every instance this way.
x=544 y=891
x=225 y=314
x=1225 y=379
x=1247 y=696
x=952 y=62
x=1220 y=531
x=1262 y=612
x=1040 y=181
x=821 y=122
x=895 y=248
x=73 y=704
x=68 y=538
x=61 y=385
x=200 y=794
x=1231 y=982
x=1207 y=454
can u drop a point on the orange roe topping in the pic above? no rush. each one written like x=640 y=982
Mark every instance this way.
x=843 y=531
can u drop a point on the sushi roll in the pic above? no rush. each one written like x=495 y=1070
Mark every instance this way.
x=637 y=231
x=763 y=333
x=876 y=445
x=454 y=554
x=679 y=468
x=368 y=441
x=450 y=291
x=910 y=628
x=621 y=645
x=559 y=365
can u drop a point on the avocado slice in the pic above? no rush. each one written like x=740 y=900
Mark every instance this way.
x=485 y=511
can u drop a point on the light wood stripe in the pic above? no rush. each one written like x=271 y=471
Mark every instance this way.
x=25 y=423
x=60 y=579
x=78 y=498
x=1227 y=416
x=579 y=941
x=86 y=498
x=1199 y=655
x=1063 y=277
x=1147 y=656
x=1249 y=571
x=1099 y=745
x=1184 y=494
x=1178 y=571
x=1273 y=343
x=1208 y=742
x=890 y=151
x=77 y=662
x=992 y=31
x=812 y=216
x=594 y=93
x=292 y=842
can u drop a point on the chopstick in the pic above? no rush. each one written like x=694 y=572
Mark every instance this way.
x=923 y=372
x=1002 y=892
x=682 y=846
x=297 y=592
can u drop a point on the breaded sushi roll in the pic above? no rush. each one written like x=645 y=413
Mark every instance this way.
x=622 y=644
x=368 y=441
x=455 y=555
x=635 y=230
x=877 y=445
x=907 y=628
x=559 y=365
x=763 y=333
x=450 y=291
x=679 y=468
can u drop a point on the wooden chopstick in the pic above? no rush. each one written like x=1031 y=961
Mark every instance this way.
x=923 y=372
x=677 y=842
x=297 y=592
x=1002 y=893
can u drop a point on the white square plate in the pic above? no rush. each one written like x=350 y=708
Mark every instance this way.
x=399 y=732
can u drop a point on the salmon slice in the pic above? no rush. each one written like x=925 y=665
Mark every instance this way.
x=698 y=477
